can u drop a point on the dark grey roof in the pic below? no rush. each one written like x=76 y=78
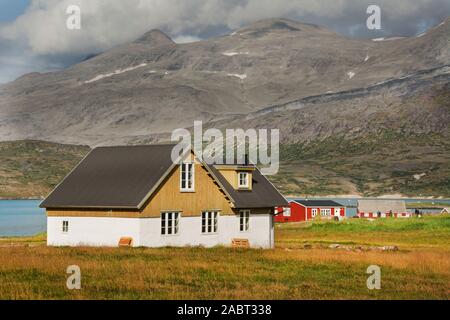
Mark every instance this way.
x=124 y=177
x=319 y=203
x=262 y=195
x=112 y=177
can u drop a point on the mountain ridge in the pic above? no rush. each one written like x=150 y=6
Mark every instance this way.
x=137 y=88
x=355 y=116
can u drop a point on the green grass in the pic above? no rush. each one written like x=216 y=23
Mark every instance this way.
x=430 y=231
x=419 y=270
x=30 y=169
x=427 y=223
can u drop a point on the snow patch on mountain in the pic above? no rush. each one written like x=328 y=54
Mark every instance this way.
x=118 y=71
x=234 y=53
x=240 y=76
x=387 y=39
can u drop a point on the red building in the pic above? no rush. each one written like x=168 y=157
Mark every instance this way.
x=305 y=210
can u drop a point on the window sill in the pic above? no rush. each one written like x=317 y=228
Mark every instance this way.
x=170 y=235
x=187 y=191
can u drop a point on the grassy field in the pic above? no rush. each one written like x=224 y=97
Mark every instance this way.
x=303 y=266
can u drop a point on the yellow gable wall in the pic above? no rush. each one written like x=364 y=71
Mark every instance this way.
x=168 y=197
x=207 y=196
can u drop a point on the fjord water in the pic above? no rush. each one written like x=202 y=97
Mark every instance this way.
x=21 y=218
x=25 y=218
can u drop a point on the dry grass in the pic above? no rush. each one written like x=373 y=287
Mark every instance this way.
x=417 y=271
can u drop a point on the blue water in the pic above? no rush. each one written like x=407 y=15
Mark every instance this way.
x=21 y=218
x=25 y=218
x=351 y=204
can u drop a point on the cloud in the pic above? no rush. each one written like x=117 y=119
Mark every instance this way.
x=186 y=39
x=42 y=30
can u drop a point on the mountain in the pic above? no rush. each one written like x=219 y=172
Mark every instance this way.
x=357 y=116
x=145 y=89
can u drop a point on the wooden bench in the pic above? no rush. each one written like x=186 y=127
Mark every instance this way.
x=240 y=243
x=126 y=242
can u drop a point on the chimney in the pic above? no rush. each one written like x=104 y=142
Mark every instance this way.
x=246 y=160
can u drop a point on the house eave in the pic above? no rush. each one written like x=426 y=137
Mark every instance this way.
x=64 y=207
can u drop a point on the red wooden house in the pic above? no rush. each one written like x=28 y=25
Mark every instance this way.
x=305 y=210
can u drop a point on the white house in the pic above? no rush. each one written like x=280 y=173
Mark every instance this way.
x=138 y=196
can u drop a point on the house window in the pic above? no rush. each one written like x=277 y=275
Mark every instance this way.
x=170 y=223
x=244 y=220
x=209 y=222
x=325 y=212
x=337 y=212
x=314 y=212
x=187 y=177
x=65 y=226
x=243 y=179
x=286 y=212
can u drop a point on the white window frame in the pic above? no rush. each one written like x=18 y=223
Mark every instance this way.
x=170 y=223
x=244 y=220
x=337 y=212
x=184 y=176
x=65 y=226
x=314 y=212
x=246 y=175
x=286 y=212
x=210 y=222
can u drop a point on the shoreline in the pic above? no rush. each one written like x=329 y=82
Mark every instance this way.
x=356 y=196
x=21 y=199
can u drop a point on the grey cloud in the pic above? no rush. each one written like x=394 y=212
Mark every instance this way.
x=107 y=23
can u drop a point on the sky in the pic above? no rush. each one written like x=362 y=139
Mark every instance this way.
x=34 y=36
x=10 y=10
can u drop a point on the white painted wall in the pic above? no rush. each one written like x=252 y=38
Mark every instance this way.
x=83 y=231
x=91 y=231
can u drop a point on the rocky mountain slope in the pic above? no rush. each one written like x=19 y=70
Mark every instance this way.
x=310 y=82
x=356 y=116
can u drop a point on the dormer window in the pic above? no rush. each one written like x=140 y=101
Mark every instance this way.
x=187 y=177
x=243 y=180
x=238 y=176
